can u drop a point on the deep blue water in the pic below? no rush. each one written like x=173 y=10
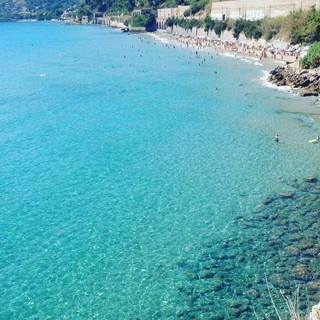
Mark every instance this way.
x=120 y=158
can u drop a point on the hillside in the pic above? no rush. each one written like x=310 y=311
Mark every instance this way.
x=126 y=6
x=52 y=9
x=35 y=9
x=10 y=10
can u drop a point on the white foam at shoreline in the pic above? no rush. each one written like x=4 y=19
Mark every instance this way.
x=235 y=55
x=227 y=54
x=264 y=81
x=160 y=39
x=248 y=59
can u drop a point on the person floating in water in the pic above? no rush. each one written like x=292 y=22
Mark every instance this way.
x=276 y=138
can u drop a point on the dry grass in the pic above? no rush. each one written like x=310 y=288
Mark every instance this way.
x=293 y=310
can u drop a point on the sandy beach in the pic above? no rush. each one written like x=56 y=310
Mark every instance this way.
x=257 y=55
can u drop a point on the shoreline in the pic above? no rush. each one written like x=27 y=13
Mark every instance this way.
x=294 y=268
x=308 y=106
x=164 y=202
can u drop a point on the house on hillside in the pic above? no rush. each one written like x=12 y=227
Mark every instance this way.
x=84 y=20
x=166 y=13
x=137 y=12
x=258 y=9
x=66 y=15
x=99 y=18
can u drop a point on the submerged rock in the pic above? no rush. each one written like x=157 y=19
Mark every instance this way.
x=207 y=274
x=237 y=307
x=314 y=286
x=301 y=272
x=217 y=316
x=286 y=195
x=282 y=235
x=252 y=294
x=305 y=244
x=268 y=200
x=311 y=179
x=292 y=251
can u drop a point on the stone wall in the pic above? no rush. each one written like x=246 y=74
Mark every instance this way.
x=177 y=12
x=199 y=32
x=84 y=20
x=111 y=22
x=258 y=9
x=165 y=13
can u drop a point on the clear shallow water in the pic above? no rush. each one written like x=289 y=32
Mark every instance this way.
x=121 y=161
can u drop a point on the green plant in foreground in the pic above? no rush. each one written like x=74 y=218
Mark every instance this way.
x=312 y=59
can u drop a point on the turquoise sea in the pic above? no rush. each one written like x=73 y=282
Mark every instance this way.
x=137 y=184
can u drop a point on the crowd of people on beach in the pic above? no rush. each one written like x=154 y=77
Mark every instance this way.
x=286 y=53
x=258 y=51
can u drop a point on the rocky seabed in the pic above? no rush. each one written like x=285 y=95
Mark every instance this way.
x=303 y=82
x=278 y=246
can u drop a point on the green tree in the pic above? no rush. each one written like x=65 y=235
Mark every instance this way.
x=309 y=32
x=312 y=59
x=147 y=21
x=219 y=27
x=208 y=24
x=84 y=10
x=251 y=29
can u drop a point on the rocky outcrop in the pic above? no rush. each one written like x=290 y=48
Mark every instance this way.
x=303 y=82
x=315 y=312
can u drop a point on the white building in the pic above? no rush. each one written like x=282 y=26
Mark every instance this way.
x=166 y=13
x=258 y=9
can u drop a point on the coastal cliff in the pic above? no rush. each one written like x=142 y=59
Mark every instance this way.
x=305 y=82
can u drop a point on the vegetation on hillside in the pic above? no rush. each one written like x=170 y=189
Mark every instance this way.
x=312 y=59
x=251 y=29
x=308 y=30
x=48 y=9
x=33 y=9
x=111 y=6
x=148 y=21
x=208 y=24
x=271 y=27
x=126 y=6
x=187 y=24
x=298 y=27
x=195 y=5
x=9 y=10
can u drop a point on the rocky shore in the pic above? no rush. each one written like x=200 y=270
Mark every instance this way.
x=303 y=82
x=275 y=251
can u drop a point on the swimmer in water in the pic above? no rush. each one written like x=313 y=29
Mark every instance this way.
x=276 y=138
